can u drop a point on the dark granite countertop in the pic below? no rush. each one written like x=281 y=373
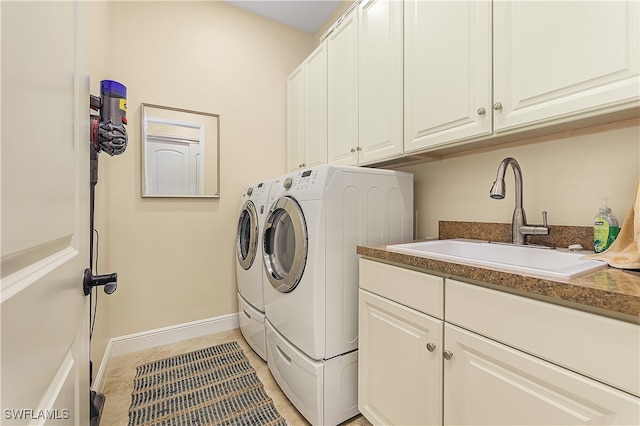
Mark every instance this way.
x=608 y=291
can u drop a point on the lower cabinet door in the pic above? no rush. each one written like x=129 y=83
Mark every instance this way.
x=400 y=363
x=486 y=382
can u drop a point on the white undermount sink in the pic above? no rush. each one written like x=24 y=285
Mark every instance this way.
x=513 y=258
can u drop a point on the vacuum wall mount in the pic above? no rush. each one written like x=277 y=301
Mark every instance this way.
x=109 y=281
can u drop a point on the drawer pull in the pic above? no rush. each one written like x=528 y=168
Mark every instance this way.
x=283 y=355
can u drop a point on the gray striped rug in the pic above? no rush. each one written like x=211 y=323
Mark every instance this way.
x=213 y=386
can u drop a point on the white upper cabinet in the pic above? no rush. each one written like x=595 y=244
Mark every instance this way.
x=295 y=119
x=402 y=77
x=307 y=112
x=342 y=62
x=447 y=88
x=553 y=60
x=316 y=107
x=380 y=52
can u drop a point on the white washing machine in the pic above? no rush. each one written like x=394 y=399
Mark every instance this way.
x=249 y=271
x=316 y=219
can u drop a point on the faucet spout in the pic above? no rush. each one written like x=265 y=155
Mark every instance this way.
x=498 y=189
x=519 y=227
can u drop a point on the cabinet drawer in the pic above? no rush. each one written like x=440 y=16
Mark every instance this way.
x=416 y=290
x=596 y=346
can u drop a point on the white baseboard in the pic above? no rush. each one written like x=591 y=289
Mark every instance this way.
x=101 y=375
x=122 y=345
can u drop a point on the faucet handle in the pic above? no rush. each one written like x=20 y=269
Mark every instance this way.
x=536 y=229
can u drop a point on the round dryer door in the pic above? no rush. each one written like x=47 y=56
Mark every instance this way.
x=247 y=240
x=285 y=244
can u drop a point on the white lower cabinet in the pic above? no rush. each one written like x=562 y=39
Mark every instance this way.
x=443 y=352
x=488 y=383
x=400 y=363
x=400 y=345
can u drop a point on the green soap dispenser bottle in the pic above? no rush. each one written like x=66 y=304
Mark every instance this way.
x=605 y=228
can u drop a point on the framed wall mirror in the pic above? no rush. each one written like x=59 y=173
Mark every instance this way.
x=180 y=152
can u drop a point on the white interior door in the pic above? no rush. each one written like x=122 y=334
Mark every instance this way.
x=167 y=168
x=45 y=214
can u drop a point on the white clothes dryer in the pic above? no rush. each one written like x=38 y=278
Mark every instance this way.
x=316 y=219
x=249 y=270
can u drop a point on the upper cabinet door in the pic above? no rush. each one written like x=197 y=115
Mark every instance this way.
x=307 y=112
x=447 y=69
x=380 y=79
x=343 y=92
x=559 y=59
x=295 y=119
x=315 y=110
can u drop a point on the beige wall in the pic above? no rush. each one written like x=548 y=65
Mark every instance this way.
x=175 y=257
x=568 y=177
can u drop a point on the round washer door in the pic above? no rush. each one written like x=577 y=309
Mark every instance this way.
x=247 y=239
x=285 y=244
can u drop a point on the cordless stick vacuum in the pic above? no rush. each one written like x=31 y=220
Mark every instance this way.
x=109 y=135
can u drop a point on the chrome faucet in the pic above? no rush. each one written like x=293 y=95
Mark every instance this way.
x=519 y=227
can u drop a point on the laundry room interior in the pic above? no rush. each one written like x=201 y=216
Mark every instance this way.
x=176 y=256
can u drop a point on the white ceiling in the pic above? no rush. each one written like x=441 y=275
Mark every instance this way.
x=304 y=15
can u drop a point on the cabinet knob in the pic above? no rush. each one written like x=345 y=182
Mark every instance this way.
x=481 y=111
x=431 y=347
x=447 y=355
x=358 y=149
x=497 y=106
x=353 y=150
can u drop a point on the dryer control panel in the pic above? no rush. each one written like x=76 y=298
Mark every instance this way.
x=307 y=184
x=301 y=180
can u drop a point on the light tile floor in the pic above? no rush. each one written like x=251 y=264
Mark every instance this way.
x=122 y=369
